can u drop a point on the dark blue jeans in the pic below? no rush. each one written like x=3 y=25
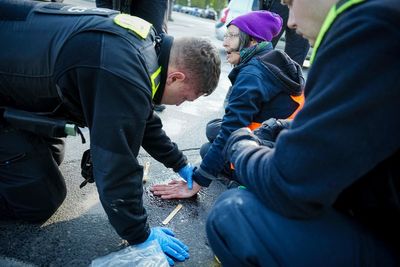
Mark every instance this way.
x=295 y=45
x=212 y=130
x=243 y=232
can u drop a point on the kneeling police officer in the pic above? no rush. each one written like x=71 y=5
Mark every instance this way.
x=97 y=68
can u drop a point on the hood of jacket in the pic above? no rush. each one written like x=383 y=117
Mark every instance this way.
x=286 y=71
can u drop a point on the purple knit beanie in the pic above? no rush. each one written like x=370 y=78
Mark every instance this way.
x=261 y=25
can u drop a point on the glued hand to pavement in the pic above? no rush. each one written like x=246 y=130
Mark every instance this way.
x=175 y=189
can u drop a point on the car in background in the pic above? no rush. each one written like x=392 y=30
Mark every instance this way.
x=234 y=9
x=196 y=12
x=220 y=25
x=177 y=8
x=186 y=9
x=209 y=13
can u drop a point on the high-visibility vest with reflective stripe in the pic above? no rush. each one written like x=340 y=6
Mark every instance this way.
x=333 y=13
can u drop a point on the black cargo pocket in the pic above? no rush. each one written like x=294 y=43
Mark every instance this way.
x=12 y=159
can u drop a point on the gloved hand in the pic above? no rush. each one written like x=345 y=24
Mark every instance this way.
x=270 y=129
x=186 y=173
x=237 y=141
x=171 y=246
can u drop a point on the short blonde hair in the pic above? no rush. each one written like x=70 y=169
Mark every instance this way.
x=198 y=58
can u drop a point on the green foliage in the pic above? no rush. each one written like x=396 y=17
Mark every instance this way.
x=216 y=4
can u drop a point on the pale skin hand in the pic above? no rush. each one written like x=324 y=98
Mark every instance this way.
x=175 y=189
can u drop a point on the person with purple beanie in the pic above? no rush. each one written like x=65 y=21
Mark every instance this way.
x=266 y=84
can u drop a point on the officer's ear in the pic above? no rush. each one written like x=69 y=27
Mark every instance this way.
x=175 y=76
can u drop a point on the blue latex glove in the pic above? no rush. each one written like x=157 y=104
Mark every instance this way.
x=186 y=173
x=171 y=246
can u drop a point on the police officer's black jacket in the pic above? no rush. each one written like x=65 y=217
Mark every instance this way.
x=80 y=65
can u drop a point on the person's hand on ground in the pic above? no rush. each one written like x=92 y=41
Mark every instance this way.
x=175 y=189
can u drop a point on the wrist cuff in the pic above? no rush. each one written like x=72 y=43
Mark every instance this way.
x=201 y=180
x=142 y=238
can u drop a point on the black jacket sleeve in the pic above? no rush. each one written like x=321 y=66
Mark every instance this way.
x=112 y=90
x=348 y=124
x=117 y=120
x=117 y=124
x=160 y=146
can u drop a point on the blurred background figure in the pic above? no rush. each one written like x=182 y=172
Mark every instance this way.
x=295 y=45
x=170 y=5
x=152 y=11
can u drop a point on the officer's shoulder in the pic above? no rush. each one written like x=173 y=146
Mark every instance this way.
x=135 y=24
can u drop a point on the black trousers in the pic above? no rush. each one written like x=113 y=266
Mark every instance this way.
x=295 y=45
x=153 y=11
x=31 y=184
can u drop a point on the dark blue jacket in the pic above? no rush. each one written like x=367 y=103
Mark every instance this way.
x=260 y=91
x=88 y=70
x=343 y=146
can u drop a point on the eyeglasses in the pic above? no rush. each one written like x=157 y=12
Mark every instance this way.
x=230 y=35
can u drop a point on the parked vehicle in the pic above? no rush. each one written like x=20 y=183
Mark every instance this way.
x=209 y=13
x=220 y=24
x=186 y=9
x=235 y=8
x=196 y=12
x=177 y=8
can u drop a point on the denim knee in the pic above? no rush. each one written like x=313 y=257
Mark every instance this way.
x=204 y=149
x=212 y=129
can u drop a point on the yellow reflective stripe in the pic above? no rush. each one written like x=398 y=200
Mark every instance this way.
x=135 y=24
x=153 y=78
x=330 y=18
